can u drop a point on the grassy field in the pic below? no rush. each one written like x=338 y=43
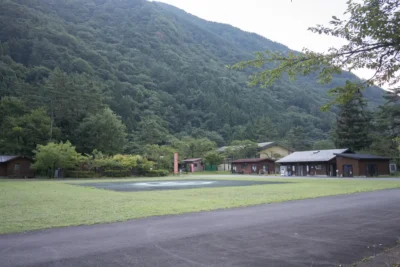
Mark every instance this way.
x=209 y=173
x=32 y=205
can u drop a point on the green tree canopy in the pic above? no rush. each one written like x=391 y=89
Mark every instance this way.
x=241 y=149
x=56 y=155
x=323 y=144
x=263 y=130
x=103 y=131
x=353 y=126
x=161 y=87
x=21 y=130
x=163 y=156
x=297 y=138
x=213 y=158
x=151 y=131
x=387 y=128
x=193 y=148
x=371 y=33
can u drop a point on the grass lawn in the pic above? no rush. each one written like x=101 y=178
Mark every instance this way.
x=32 y=205
x=209 y=173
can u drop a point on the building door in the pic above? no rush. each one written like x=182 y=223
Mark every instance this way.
x=347 y=170
x=299 y=170
x=16 y=170
x=304 y=173
x=371 y=170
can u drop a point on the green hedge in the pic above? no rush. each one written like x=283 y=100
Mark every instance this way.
x=81 y=174
x=157 y=173
x=116 y=173
x=113 y=173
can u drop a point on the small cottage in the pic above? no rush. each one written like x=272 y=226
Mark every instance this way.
x=333 y=162
x=193 y=165
x=317 y=162
x=253 y=166
x=270 y=150
x=16 y=167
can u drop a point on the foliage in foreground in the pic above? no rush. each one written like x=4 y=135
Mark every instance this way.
x=371 y=32
x=53 y=156
x=63 y=156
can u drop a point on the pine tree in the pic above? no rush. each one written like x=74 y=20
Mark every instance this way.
x=297 y=138
x=353 y=125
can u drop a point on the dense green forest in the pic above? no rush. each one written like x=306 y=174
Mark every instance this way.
x=115 y=75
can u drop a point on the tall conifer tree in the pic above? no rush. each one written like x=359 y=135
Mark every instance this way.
x=353 y=125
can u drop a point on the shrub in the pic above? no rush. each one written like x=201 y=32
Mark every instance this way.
x=157 y=173
x=81 y=174
x=116 y=173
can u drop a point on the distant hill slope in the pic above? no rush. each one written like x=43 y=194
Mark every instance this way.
x=252 y=42
x=160 y=66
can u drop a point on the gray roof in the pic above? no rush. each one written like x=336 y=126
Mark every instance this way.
x=312 y=156
x=260 y=145
x=253 y=160
x=361 y=156
x=6 y=158
x=265 y=144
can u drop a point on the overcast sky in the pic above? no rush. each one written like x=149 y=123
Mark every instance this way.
x=283 y=21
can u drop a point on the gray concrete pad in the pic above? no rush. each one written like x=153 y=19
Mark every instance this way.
x=173 y=184
x=330 y=231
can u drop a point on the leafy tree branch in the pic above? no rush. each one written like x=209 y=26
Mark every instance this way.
x=372 y=33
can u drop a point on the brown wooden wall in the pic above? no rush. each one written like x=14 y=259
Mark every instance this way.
x=3 y=168
x=359 y=166
x=340 y=161
x=198 y=166
x=382 y=165
x=248 y=167
x=24 y=169
x=321 y=171
x=314 y=168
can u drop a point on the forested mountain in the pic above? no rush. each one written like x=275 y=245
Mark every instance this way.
x=161 y=70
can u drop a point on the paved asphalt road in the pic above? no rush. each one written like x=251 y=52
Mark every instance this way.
x=316 y=232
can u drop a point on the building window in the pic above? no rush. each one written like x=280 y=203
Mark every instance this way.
x=17 y=167
x=243 y=165
x=195 y=165
x=318 y=167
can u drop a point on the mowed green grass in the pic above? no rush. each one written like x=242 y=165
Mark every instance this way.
x=32 y=205
x=209 y=173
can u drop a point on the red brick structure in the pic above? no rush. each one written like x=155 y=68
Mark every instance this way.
x=253 y=166
x=16 y=167
x=350 y=165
